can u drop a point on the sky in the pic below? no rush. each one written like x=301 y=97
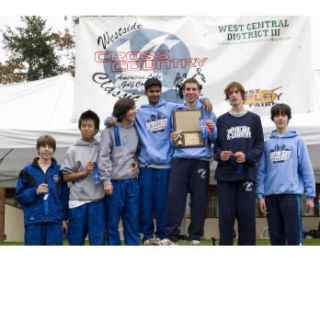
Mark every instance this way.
x=57 y=22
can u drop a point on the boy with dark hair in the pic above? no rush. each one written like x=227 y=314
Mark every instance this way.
x=117 y=155
x=238 y=149
x=154 y=125
x=87 y=210
x=44 y=196
x=189 y=173
x=284 y=174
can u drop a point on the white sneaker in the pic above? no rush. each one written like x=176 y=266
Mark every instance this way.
x=167 y=241
x=147 y=242
x=195 y=243
x=155 y=241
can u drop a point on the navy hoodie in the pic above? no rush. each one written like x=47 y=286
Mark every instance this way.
x=238 y=134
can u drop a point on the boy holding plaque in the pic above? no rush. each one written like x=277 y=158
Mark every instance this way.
x=284 y=174
x=238 y=149
x=86 y=201
x=190 y=173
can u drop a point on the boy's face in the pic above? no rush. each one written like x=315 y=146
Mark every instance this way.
x=130 y=115
x=88 y=130
x=45 y=152
x=153 y=94
x=235 y=97
x=281 y=120
x=191 y=92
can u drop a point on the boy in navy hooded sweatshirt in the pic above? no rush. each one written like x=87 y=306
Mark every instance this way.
x=285 y=173
x=238 y=150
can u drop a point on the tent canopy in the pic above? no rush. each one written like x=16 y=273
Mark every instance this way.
x=34 y=108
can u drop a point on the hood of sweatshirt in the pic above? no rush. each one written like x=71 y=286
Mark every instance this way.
x=289 y=134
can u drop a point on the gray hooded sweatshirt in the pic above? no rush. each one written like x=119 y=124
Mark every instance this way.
x=116 y=157
x=76 y=160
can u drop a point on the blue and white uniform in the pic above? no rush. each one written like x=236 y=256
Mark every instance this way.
x=284 y=174
x=189 y=173
x=154 y=126
x=42 y=218
x=236 y=182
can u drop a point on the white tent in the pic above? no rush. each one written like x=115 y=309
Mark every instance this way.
x=45 y=106
x=29 y=110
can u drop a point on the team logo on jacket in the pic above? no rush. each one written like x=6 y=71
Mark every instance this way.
x=56 y=178
x=279 y=154
x=239 y=132
x=139 y=55
x=157 y=123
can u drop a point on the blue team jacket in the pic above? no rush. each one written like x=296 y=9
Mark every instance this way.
x=29 y=179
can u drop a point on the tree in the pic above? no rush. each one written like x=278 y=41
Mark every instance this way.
x=10 y=73
x=34 y=48
x=65 y=44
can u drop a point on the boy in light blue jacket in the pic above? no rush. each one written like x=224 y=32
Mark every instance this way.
x=190 y=174
x=285 y=173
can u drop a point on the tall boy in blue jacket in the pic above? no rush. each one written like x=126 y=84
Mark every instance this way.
x=44 y=196
x=238 y=150
x=285 y=173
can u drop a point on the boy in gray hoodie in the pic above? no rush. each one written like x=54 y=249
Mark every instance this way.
x=86 y=199
x=118 y=168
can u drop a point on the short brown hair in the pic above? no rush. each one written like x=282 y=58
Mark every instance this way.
x=191 y=80
x=236 y=85
x=121 y=107
x=283 y=109
x=44 y=140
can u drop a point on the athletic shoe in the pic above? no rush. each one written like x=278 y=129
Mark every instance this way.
x=195 y=243
x=155 y=241
x=167 y=242
x=148 y=242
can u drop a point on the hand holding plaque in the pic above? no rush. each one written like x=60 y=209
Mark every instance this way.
x=186 y=124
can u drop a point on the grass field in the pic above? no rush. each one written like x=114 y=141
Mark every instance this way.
x=261 y=242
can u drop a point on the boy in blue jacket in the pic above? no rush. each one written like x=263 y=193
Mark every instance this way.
x=238 y=149
x=189 y=173
x=285 y=173
x=44 y=196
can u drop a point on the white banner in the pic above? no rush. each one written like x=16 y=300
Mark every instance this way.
x=270 y=56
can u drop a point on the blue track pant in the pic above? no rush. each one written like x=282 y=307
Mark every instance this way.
x=187 y=175
x=124 y=202
x=45 y=233
x=284 y=219
x=237 y=201
x=153 y=200
x=88 y=219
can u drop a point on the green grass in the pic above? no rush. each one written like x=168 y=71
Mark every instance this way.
x=260 y=242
